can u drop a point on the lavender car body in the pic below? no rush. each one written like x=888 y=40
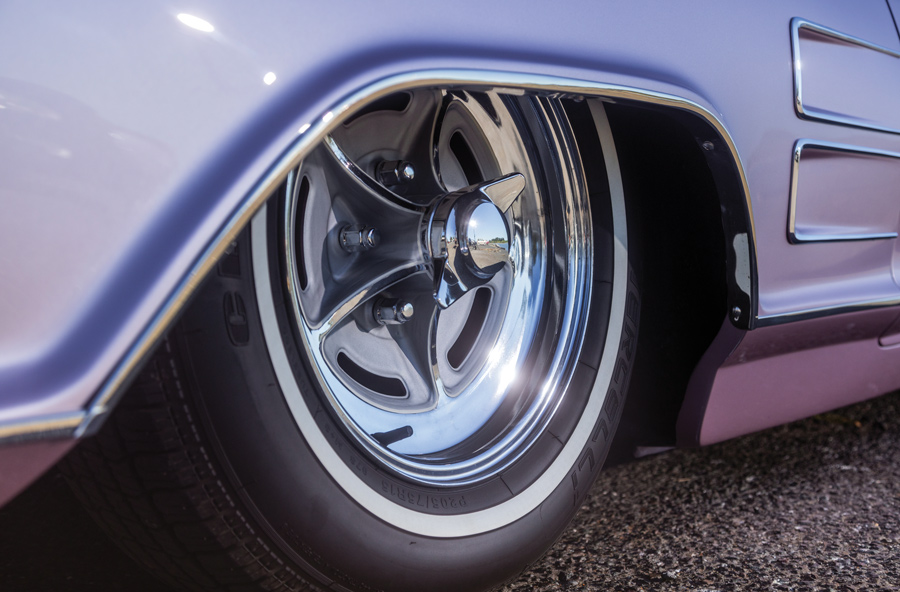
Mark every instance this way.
x=135 y=148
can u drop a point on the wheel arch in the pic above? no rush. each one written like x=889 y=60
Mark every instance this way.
x=691 y=115
x=697 y=256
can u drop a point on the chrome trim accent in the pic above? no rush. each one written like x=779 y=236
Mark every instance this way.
x=804 y=112
x=798 y=237
x=824 y=311
x=447 y=228
x=41 y=427
x=314 y=132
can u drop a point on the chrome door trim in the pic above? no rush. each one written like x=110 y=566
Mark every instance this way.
x=825 y=311
x=798 y=237
x=807 y=112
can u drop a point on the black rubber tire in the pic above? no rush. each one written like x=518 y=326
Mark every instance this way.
x=150 y=482
x=203 y=475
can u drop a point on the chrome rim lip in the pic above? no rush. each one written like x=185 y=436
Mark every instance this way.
x=573 y=287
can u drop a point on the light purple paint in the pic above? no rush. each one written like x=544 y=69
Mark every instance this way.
x=787 y=372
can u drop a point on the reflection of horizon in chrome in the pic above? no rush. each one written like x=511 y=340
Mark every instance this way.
x=483 y=244
x=486 y=229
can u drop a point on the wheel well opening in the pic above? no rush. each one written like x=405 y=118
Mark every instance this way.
x=678 y=247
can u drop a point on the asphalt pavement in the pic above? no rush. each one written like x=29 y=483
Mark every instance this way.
x=814 y=505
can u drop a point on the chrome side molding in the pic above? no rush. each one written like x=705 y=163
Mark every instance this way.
x=825 y=311
x=796 y=235
x=807 y=111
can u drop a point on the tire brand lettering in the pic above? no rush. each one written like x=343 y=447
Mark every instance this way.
x=611 y=404
x=236 y=319
x=230 y=264
x=345 y=451
x=621 y=371
x=423 y=500
x=628 y=342
x=587 y=458
x=333 y=436
x=631 y=307
x=601 y=426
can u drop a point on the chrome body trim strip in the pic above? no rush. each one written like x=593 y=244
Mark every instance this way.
x=798 y=237
x=41 y=427
x=825 y=311
x=310 y=134
x=806 y=112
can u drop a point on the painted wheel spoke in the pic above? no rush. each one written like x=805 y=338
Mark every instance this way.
x=366 y=280
x=353 y=180
x=372 y=139
x=395 y=358
x=416 y=341
x=350 y=243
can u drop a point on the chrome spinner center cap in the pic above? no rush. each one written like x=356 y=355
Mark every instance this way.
x=468 y=237
x=483 y=239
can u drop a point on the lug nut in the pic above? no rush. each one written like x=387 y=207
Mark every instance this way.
x=395 y=172
x=356 y=237
x=393 y=311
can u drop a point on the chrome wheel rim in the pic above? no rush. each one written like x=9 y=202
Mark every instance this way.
x=442 y=384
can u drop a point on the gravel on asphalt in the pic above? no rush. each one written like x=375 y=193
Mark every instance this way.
x=813 y=505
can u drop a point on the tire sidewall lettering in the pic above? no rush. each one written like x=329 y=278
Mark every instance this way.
x=587 y=468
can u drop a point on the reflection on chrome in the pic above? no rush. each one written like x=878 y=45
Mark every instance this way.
x=507 y=377
x=303 y=128
x=269 y=78
x=462 y=377
x=195 y=22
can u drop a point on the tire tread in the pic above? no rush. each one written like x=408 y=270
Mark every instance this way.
x=147 y=480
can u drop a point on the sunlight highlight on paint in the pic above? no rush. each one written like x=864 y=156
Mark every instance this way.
x=195 y=22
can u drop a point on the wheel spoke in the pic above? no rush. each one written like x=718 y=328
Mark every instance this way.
x=402 y=131
x=393 y=360
x=358 y=183
x=351 y=240
x=366 y=281
x=416 y=341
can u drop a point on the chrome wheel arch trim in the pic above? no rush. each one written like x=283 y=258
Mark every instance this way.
x=88 y=421
x=534 y=495
x=44 y=427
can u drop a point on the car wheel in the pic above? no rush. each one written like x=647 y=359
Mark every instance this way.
x=404 y=375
